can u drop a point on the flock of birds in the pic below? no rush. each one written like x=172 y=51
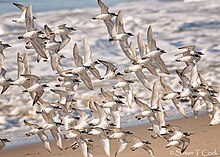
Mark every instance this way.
x=66 y=121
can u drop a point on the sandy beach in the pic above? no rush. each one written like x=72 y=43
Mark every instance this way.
x=205 y=142
x=174 y=23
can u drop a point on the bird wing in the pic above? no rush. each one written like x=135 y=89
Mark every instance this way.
x=86 y=79
x=142 y=105
x=122 y=146
x=104 y=8
x=151 y=42
x=166 y=87
x=57 y=137
x=110 y=66
x=179 y=107
x=107 y=95
x=95 y=72
x=119 y=22
x=77 y=58
x=140 y=75
x=29 y=19
x=34 y=78
x=2 y=57
x=129 y=51
x=155 y=96
x=64 y=42
x=31 y=124
x=37 y=96
x=141 y=46
x=189 y=47
x=88 y=52
x=36 y=43
x=26 y=64
x=84 y=148
x=19 y=63
x=161 y=65
x=110 y=25
x=105 y=143
x=43 y=137
x=20 y=6
x=149 y=150
x=136 y=139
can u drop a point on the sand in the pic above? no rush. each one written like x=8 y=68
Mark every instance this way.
x=205 y=142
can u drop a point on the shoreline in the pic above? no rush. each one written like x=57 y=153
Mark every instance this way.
x=203 y=143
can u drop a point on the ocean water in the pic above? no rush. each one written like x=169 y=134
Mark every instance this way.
x=174 y=24
x=6 y=6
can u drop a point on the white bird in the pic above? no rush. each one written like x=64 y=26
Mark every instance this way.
x=190 y=57
x=63 y=31
x=121 y=136
x=110 y=71
x=87 y=60
x=138 y=143
x=2 y=56
x=177 y=138
x=86 y=145
x=4 y=82
x=216 y=116
x=80 y=69
x=36 y=129
x=106 y=16
x=83 y=122
x=53 y=128
x=143 y=51
x=32 y=35
x=99 y=117
x=23 y=68
x=118 y=32
x=23 y=9
x=103 y=138
x=3 y=142
x=170 y=94
x=154 y=53
x=80 y=140
x=36 y=89
x=149 y=112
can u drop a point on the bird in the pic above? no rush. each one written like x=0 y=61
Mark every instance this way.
x=154 y=52
x=53 y=128
x=177 y=138
x=80 y=69
x=63 y=31
x=36 y=129
x=106 y=16
x=170 y=94
x=23 y=9
x=3 y=142
x=216 y=116
x=149 y=112
x=138 y=143
x=190 y=57
x=32 y=35
x=80 y=140
x=36 y=89
x=121 y=136
x=87 y=60
x=118 y=33
x=103 y=138
x=4 y=82
x=110 y=71
x=87 y=147
x=136 y=67
x=23 y=68
x=2 y=56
